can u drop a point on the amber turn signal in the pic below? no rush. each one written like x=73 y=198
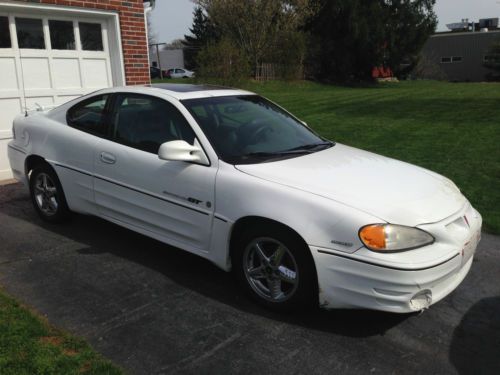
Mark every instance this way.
x=373 y=236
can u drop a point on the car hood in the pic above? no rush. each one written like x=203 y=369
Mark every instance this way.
x=392 y=190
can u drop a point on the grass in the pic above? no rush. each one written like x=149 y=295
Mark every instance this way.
x=29 y=345
x=450 y=128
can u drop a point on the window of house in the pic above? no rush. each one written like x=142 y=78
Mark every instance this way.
x=145 y=123
x=30 y=33
x=89 y=115
x=492 y=59
x=445 y=60
x=91 y=36
x=4 y=33
x=456 y=59
x=62 y=35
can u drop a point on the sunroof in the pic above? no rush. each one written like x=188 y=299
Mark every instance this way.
x=180 y=87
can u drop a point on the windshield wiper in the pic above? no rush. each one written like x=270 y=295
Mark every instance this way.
x=276 y=153
x=312 y=146
x=304 y=149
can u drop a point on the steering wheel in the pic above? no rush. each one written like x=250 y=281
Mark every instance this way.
x=252 y=131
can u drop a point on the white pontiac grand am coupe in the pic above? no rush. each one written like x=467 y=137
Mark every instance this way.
x=230 y=176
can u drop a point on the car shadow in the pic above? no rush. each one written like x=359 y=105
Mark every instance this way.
x=200 y=275
x=475 y=345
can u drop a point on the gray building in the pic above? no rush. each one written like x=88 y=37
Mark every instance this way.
x=457 y=55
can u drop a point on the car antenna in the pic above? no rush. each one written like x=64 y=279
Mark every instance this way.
x=22 y=80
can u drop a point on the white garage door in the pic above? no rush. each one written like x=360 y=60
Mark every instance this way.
x=47 y=60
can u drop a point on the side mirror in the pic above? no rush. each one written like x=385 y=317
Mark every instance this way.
x=182 y=151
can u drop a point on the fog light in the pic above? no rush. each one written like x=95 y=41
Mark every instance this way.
x=421 y=300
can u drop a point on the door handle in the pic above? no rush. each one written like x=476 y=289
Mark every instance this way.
x=108 y=158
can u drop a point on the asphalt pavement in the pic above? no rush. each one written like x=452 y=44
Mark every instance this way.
x=154 y=309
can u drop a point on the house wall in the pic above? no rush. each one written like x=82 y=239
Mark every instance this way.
x=470 y=46
x=133 y=32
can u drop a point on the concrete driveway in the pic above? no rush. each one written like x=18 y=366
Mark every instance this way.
x=153 y=309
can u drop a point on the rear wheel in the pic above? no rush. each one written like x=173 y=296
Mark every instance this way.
x=47 y=194
x=276 y=268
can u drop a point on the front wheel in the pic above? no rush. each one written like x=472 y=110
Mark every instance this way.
x=276 y=268
x=47 y=194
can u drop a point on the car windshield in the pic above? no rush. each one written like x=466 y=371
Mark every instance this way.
x=249 y=129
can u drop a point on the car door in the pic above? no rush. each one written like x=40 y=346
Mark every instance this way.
x=170 y=200
x=72 y=151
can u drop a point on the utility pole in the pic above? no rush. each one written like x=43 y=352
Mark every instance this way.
x=157 y=45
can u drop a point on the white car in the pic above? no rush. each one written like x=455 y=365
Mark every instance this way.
x=232 y=177
x=179 y=73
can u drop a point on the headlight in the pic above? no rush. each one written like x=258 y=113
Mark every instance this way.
x=391 y=238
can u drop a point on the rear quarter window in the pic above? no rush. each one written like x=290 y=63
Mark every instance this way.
x=89 y=115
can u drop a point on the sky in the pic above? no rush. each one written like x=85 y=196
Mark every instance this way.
x=172 y=19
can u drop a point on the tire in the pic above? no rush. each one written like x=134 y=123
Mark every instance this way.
x=47 y=194
x=275 y=267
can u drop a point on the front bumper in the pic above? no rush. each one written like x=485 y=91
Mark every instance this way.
x=360 y=280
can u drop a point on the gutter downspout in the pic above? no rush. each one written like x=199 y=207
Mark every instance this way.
x=148 y=7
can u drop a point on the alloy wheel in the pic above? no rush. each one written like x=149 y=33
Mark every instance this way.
x=45 y=192
x=271 y=269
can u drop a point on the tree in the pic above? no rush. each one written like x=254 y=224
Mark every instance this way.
x=257 y=27
x=409 y=25
x=202 y=33
x=351 y=37
x=175 y=44
x=346 y=40
x=223 y=62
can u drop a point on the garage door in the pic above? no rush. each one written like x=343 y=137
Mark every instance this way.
x=48 y=60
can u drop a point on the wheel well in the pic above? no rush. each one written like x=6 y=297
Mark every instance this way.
x=252 y=221
x=32 y=162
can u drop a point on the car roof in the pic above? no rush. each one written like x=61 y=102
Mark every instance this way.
x=180 y=87
x=180 y=91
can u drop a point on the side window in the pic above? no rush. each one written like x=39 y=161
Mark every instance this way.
x=89 y=115
x=145 y=122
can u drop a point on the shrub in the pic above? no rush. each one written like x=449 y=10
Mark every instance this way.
x=223 y=62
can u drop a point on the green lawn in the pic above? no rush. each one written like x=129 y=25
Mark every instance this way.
x=28 y=345
x=450 y=128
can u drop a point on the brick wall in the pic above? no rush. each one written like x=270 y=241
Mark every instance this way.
x=133 y=30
